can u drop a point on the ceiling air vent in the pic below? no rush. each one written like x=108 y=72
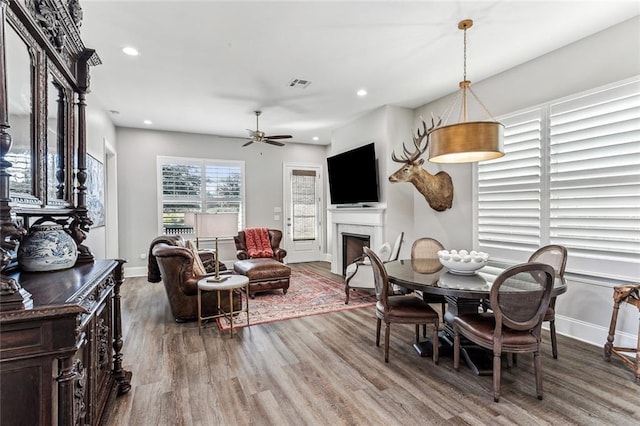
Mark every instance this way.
x=299 y=83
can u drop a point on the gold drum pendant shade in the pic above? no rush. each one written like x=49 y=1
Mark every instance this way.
x=467 y=142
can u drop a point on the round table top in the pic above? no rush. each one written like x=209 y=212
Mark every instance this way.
x=429 y=276
x=229 y=282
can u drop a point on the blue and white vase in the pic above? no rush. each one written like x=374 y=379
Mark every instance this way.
x=47 y=248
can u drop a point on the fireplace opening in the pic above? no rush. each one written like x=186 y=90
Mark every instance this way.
x=352 y=245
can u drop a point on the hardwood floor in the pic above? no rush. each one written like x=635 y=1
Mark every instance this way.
x=326 y=370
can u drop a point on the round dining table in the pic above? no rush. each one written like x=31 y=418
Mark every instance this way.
x=463 y=294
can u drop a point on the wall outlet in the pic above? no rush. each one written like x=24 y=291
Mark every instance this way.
x=276 y=217
x=143 y=256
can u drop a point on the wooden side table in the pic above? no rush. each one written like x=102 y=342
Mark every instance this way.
x=230 y=283
x=624 y=294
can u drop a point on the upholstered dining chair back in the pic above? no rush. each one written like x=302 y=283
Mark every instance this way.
x=397 y=245
x=554 y=255
x=426 y=248
x=520 y=296
x=380 y=278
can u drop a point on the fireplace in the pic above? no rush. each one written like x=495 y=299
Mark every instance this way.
x=352 y=245
x=360 y=221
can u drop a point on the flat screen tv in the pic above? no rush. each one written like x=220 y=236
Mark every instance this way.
x=353 y=176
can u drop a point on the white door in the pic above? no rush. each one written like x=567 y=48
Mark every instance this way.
x=303 y=189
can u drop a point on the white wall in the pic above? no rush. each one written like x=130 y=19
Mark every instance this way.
x=99 y=130
x=137 y=186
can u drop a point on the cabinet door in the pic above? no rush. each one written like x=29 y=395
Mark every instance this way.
x=101 y=376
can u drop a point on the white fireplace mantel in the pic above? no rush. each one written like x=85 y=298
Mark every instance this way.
x=364 y=220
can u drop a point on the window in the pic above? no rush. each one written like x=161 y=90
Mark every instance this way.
x=193 y=186
x=570 y=176
x=303 y=198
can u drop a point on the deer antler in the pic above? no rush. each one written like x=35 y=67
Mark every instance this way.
x=410 y=157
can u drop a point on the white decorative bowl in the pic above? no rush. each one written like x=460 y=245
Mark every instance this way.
x=463 y=262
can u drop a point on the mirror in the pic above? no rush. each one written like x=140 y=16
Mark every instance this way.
x=55 y=140
x=20 y=108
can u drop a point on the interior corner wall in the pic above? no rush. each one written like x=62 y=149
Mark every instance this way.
x=139 y=216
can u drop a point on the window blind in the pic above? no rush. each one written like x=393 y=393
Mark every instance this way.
x=509 y=189
x=570 y=176
x=303 y=198
x=595 y=179
x=199 y=185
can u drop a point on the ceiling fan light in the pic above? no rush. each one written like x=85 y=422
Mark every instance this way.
x=467 y=142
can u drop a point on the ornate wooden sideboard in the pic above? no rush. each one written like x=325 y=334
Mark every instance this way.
x=60 y=359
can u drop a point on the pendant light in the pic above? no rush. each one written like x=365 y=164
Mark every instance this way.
x=466 y=141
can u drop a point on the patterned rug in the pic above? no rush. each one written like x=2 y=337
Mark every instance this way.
x=309 y=294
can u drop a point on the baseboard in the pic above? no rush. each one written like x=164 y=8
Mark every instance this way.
x=135 y=271
x=592 y=333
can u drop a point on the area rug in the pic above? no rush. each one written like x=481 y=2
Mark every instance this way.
x=309 y=293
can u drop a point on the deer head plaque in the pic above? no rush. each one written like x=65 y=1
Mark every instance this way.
x=437 y=189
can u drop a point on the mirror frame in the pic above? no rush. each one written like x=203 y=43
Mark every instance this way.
x=50 y=29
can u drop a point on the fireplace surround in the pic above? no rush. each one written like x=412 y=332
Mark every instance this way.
x=364 y=221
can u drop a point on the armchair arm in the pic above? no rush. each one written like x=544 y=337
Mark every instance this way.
x=242 y=255
x=279 y=254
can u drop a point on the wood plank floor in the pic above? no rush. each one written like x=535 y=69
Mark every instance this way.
x=326 y=370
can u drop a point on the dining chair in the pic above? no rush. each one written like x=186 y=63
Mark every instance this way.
x=401 y=309
x=556 y=256
x=428 y=248
x=520 y=297
x=359 y=273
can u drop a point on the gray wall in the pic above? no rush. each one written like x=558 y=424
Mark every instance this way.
x=138 y=188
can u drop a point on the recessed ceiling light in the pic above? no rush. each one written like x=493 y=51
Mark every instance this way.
x=315 y=138
x=148 y=122
x=361 y=92
x=131 y=51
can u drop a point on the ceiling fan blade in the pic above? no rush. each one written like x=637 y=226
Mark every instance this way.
x=273 y=142
x=248 y=143
x=279 y=137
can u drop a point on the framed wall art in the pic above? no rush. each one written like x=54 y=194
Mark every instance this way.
x=95 y=191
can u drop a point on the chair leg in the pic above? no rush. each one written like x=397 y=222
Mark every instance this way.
x=435 y=343
x=554 y=342
x=378 y=324
x=537 y=363
x=418 y=332
x=387 y=331
x=456 y=350
x=444 y=309
x=497 y=358
x=346 y=292
x=424 y=330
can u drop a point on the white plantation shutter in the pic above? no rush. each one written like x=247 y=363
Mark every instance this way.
x=192 y=185
x=509 y=200
x=595 y=179
x=570 y=176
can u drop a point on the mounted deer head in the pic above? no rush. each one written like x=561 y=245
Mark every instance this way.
x=437 y=189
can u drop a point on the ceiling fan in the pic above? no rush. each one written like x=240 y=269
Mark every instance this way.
x=259 y=136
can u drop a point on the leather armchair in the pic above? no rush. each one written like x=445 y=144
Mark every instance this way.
x=171 y=262
x=275 y=237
